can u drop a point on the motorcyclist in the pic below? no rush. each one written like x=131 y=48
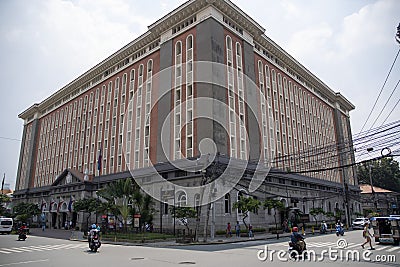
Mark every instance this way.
x=339 y=228
x=297 y=240
x=22 y=231
x=93 y=231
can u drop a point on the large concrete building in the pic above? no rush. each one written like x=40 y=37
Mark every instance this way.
x=143 y=106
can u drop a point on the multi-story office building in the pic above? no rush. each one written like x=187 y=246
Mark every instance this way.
x=268 y=107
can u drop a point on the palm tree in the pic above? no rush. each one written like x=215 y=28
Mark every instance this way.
x=125 y=198
x=277 y=205
x=119 y=194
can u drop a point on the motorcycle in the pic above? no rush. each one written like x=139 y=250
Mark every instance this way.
x=94 y=241
x=339 y=230
x=22 y=234
x=323 y=230
x=297 y=250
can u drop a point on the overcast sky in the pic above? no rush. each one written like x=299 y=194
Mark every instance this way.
x=45 y=44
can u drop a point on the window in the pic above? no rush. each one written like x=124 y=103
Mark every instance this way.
x=166 y=208
x=228 y=203
x=182 y=199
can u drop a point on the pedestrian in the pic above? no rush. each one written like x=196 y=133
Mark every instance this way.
x=43 y=225
x=237 y=229
x=66 y=225
x=285 y=226
x=250 y=231
x=229 y=230
x=367 y=235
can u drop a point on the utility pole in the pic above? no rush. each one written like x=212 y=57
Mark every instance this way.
x=372 y=189
x=370 y=182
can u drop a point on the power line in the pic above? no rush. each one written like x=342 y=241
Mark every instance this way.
x=391 y=111
x=384 y=106
x=376 y=101
x=11 y=139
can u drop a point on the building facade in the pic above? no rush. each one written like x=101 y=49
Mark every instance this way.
x=270 y=109
x=387 y=202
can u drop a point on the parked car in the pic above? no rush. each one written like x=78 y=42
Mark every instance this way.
x=359 y=223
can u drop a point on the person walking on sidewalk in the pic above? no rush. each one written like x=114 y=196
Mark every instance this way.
x=237 y=229
x=229 y=230
x=367 y=235
x=251 y=231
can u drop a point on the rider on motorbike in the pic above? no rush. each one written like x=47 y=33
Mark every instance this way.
x=22 y=231
x=297 y=240
x=93 y=231
x=339 y=228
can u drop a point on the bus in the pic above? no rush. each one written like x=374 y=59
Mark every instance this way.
x=386 y=229
x=6 y=225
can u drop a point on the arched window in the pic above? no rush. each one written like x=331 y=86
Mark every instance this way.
x=182 y=199
x=131 y=84
x=231 y=97
x=227 y=203
x=177 y=111
x=228 y=43
x=197 y=202
x=189 y=42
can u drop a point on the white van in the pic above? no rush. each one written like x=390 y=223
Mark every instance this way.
x=6 y=225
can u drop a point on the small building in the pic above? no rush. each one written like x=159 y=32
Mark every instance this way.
x=387 y=202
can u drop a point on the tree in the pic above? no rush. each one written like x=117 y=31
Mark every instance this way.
x=125 y=198
x=315 y=212
x=385 y=173
x=24 y=211
x=183 y=214
x=338 y=214
x=277 y=205
x=143 y=204
x=4 y=199
x=329 y=215
x=88 y=205
x=246 y=204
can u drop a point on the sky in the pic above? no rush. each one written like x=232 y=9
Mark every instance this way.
x=45 y=44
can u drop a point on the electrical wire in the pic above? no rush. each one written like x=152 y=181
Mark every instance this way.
x=376 y=101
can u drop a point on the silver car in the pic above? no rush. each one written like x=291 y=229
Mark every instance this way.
x=359 y=223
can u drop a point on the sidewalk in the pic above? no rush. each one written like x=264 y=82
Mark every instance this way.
x=51 y=233
x=78 y=236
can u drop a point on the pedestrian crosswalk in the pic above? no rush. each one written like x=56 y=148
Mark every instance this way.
x=324 y=245
x=42 y=248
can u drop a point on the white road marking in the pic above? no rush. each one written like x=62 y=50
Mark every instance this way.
x=42 y=248
x=23 y=262
x=381 y=248
x=393 y=249
x=352 y=245
x=12 y=250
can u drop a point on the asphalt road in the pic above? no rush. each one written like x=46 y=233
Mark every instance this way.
x=43 y=252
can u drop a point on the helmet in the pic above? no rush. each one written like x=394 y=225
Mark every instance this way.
x=295 y=229
x=94 y=226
